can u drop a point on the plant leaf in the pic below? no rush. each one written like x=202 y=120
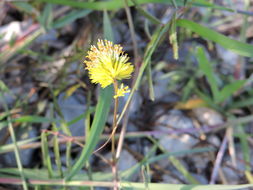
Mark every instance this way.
x=102 y=110
x=240 y=48
x=207 y=69
x=229 y=89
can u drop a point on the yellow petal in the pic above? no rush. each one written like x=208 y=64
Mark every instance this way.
x=122 y=91
x=106 y=63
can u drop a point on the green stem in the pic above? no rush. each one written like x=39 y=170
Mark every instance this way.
x=114 y=160
x=16 y=150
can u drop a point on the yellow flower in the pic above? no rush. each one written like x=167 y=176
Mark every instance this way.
x=107 y=63
x=122 y=91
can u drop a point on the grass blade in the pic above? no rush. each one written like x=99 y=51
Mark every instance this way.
x=240 y=48
x=229 y=89
x=57 y=152
x=45 y=153
x=207 y=69
x=70 y=17
x=116 y=4
x=107 y=27
x=102 y=110
x=16 y=150
x=126 y=185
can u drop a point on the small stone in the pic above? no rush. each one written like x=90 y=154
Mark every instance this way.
x=160 y=85
x=230 y=175
x=200 y=161
x=176 y=140
x=175 y=119
x=135 y=104
x=201 y=178
x=208 y=116
x=25 y=154
x=214 y=140
x=169 y=179
x=71 y=108
x=126 y=161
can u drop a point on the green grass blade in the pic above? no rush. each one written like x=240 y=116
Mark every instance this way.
x=240 y=48
x=102 y=110
x=146 y=14
x=57 y=152
x=229 y=89
x=81 y=116
x=107 y=27
x=240 y=104
x=70 y=17
x=46 y=17
x=126 y=185
x=26 y=7
x=116 y=4
x=13 y=138
x=28 y=119
x=34 y=119
x=45 y=153
x=207 y=69
x=17 y=155
x=10 y=147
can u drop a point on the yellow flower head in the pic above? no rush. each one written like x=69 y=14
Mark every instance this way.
x=122 y=91
x=107 y=63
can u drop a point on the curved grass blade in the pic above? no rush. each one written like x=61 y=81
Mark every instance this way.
x=102 y=110
x=240 y=48
x=116 y=4
x=70 y=17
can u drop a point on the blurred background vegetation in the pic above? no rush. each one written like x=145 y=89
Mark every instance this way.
x=188 y=118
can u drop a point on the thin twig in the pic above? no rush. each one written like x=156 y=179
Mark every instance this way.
x=132 y=31
x=219 y=159
x=66 y=138
x=114 y=160
x=125 y=119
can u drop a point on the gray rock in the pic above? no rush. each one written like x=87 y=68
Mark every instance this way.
x=160 y=85
x=214 y=140
x=201 y=178
x=200 y=161
x=175 y=140
x=126 y=161
x=50 y=36
x=176 y=143
x=135 y=104
x=71 y=107
x=208 y=116
x=231 y=176
x=169 y=179
x=25 y=154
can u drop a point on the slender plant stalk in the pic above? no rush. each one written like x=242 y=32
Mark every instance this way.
x=16 y=150
x=87 y=132
x=132 y=31
x=136 y=59
x=125 y=120
x=114 y=160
